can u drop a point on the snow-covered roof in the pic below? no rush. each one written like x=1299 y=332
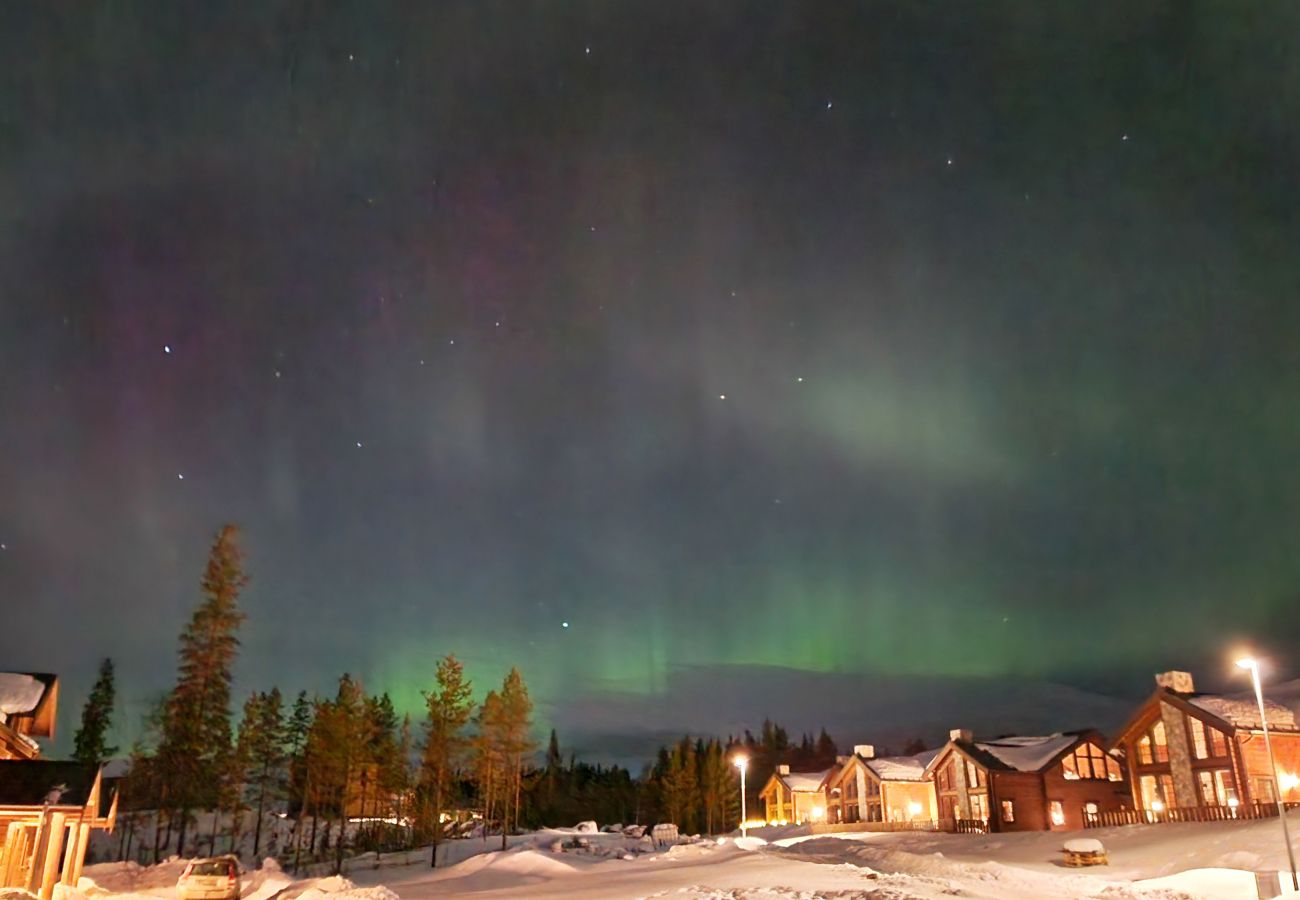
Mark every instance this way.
x=1243 y=712
x=19 y=693
x=901 y=768
x=1028 y=754
x=804 y=781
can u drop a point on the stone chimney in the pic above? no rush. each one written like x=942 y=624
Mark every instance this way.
x=783 y=769
x=1178 y=682
x=866 y=751
x=961 y=734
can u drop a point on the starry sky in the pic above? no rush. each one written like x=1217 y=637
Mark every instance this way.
x=617 y=339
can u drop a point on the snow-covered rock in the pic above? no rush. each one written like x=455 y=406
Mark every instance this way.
x=588 y=827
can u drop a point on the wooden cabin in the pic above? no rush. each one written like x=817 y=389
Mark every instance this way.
x=28 y=707
x=47 y=811
x=1047 y=783
x=794 y=796
x=867 y=788
x=1186 y=749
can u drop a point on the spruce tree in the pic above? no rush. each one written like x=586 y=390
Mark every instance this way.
x=196 y=734
x=450 y=708
x=262 y=736
x=91 y=742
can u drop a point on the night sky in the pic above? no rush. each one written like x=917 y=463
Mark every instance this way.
x=617 y=339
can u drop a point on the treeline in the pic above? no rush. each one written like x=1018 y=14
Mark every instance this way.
x=351 y=775
x=346 y=768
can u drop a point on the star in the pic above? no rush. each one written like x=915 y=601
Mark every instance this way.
x=167 y=348
x=358 y=443
x=277 y=373
x=1124 y=138
x=588 y=49
x=799 y=378
x=452 y=342
x=722 y=396
x=950 y=160
x=564 y=624
x=829 y=104
x=180 y=476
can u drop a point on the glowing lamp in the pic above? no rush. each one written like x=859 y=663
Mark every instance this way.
x=1288 y=781
x=1157 y=806
x=817 y=812
x=1233 y=802
x=913 y=809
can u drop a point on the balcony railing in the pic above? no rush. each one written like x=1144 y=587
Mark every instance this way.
x=1243 y=811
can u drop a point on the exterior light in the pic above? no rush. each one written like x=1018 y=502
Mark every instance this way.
x=1233 y=802
x=913 y=809
x=741 y=762
x=1253 y=665
x=1157 y=806
x=1288 y=781
x=817 y=812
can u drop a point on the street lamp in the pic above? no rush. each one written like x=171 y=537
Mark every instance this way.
x=742 y=763
x=1253 y=666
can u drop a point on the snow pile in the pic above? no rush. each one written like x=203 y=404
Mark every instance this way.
x=131 y=877
x=587 y=827
x=19 y=693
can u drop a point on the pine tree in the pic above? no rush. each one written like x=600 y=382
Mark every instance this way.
x=489 y=763
x=516 y=743
x=91 y=741
x=196 y=722
x=450 y=708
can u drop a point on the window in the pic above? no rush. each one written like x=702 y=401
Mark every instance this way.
x=1216 y=787
x=946 y=778
x=979 y=807
x=1090 y=808
x=1261 y=790
x=1152 y=747
x=1090 y=762
x=1218 y=741
x=1008 y=811
x=1158 y=742
x=1056 y=812
x=974 y=775
x=1156 y=791
x=1144 y=750
x=1200 y=746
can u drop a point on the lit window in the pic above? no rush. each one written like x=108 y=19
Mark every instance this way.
x=1218 y=741
x=1158 y=742
x=1069 y=768
x=1056 y=812
x=1008 y=811
x=1090 y=808
x=1200 y=746
x=1144 y=750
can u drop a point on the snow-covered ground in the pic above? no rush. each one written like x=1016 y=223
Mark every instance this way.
x=1168 y=862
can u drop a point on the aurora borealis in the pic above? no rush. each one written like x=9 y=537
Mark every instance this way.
x=914 y=338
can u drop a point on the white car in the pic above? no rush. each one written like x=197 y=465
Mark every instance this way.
x=214 y=878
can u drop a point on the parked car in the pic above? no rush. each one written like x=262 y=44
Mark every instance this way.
x=214 y=878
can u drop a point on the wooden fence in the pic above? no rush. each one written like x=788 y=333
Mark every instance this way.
x=967 y=826
x=1243 y=811
x=828 y=828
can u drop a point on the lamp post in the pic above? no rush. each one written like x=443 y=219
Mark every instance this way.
x=742 y=763
x=1253 y=666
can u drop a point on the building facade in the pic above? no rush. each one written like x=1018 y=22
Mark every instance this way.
x=1188 y=749
x=1026 y=783
x=794 y=796
x=28 y=704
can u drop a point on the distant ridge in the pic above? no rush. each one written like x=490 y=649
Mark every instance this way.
x=626 y=727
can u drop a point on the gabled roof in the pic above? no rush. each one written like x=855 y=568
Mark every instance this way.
x=1019 y=753
x=804 y=782
x=1244 y=713
x=1227 y=712
x=800 y=782
x=902 y=768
